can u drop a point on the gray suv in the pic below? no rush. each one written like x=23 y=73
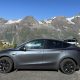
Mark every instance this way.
x=41 y=54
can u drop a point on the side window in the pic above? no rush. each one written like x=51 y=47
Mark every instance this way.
x=51 y=44
x=36 y=44
x=65 y=45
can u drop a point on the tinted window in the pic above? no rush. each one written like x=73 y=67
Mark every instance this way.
x=36 y=44
x=51 y=44
x=70 y=40
x=65 y=45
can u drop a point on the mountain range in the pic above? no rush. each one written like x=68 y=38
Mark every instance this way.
x=28 y=28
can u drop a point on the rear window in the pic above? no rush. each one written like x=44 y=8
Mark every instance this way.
x=70 y=40
x=51 y=44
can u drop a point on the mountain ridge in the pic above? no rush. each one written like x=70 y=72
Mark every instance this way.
x=45 y=20
x=27 y=28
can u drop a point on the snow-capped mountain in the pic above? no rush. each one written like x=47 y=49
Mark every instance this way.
x=59 y=27
x=68 y=19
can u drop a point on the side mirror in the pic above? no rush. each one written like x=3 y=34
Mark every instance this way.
x=23 y=48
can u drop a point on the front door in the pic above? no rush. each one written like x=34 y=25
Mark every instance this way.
x=32 y=57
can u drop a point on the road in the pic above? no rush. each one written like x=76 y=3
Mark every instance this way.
x=39 y=75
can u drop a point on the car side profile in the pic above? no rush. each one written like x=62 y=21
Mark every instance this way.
x=41 y=54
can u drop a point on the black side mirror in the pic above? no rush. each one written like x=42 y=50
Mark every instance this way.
x=23 y=48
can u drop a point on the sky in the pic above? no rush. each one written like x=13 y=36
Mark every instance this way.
x=40 y=9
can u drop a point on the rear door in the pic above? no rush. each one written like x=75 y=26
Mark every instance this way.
x=51 y=53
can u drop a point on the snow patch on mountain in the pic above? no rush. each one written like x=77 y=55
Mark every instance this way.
x=53 y=17
x=40 y=22
x=13 y=21
x=47 y=21
x=70 y=20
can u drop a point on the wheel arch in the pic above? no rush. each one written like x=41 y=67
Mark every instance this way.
x=9 y=58
x=68 y=58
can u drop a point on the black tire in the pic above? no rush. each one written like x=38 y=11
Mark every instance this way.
x=6 y=65
x=67 y=66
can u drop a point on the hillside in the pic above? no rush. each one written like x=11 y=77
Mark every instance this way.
x=60 y=27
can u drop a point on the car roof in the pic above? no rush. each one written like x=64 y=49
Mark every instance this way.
x=46 y=39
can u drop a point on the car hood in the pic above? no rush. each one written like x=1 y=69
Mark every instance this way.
x=7 y=50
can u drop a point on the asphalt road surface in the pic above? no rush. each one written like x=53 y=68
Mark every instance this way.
x=39 y=75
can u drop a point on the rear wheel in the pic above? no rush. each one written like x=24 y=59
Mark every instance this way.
x=6 y=65
x=68 y=66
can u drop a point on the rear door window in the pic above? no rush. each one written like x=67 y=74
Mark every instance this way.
x=52 y=44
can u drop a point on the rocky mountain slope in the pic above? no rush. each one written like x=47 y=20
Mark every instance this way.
x=18 y=31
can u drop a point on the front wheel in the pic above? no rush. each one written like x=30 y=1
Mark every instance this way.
x=68 y=66
x=6 y=65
